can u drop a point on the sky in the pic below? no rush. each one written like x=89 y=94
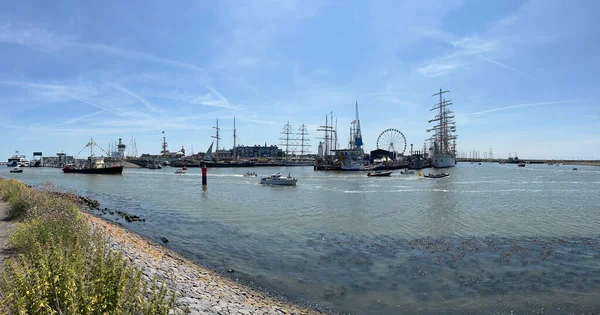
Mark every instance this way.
x=523 y=76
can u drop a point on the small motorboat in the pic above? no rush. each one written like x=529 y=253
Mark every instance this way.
x=574 y=168
x=440 y=175
x=379 y=173
x=522 y=164
x=276 y=179
x=407 y=171
x=154 y=166
x=16 y=170
x=179 y=171
x=248 y=174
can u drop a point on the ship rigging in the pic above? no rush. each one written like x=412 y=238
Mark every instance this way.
x=443 y=149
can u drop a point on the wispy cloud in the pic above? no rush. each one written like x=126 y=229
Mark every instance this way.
x=149 y=105
x=437 y=68
x=34 y=37
x=81 y=118
x=466 y=50
x=212 y=99
x=463 y=50
x=503 y=108
x=509 y=68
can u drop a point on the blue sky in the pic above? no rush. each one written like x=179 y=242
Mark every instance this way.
x=523 y=75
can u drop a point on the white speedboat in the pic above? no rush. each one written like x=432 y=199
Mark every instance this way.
x=16 y=170
x=277 y=179
x=180 y=171
x=407 y=171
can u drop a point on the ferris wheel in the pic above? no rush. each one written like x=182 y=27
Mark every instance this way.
x=392 y=140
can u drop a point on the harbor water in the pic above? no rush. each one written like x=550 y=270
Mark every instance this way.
x=488 y=239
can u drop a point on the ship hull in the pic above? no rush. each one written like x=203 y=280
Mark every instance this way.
x=117 y=170
x=443 y=161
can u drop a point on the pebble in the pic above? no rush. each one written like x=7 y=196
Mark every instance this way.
x=198 y=290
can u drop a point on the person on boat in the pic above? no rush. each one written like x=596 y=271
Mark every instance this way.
x=289 y=175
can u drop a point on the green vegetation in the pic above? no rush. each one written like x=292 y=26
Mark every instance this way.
x=63 y=266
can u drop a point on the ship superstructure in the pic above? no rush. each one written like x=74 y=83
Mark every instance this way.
x=443 y=147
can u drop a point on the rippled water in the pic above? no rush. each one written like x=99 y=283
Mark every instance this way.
x=488 y=239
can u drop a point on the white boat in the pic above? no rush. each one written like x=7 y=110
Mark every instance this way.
x=354 y=167
x=442 y=152
x=180 y=171
x=276 y=179
x=407 y=172
x=16 y=170
x=18 y=160
x=248 y=174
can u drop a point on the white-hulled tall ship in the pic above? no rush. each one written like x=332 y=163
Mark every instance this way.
x=443 y=148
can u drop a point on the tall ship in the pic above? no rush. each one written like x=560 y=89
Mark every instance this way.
x=93 y=165
x=443 y=141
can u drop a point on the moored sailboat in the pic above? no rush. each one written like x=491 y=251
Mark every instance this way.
x=94 y=165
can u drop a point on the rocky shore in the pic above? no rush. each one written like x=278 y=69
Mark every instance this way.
x=198 y=290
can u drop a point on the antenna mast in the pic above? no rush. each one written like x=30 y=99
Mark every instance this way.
x=217 y=137
x=302 y=131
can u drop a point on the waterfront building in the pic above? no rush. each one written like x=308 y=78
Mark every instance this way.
x=258 y=151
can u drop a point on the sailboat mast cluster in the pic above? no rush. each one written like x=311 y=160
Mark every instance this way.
x=330 y=139
x=443 y=149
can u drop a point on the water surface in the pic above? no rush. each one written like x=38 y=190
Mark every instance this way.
x=489 y=238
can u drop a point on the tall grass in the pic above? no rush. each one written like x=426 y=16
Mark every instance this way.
x=63 y=266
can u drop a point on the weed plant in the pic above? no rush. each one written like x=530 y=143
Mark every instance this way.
x=63 y=266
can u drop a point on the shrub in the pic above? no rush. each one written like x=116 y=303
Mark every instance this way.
x=64 y=267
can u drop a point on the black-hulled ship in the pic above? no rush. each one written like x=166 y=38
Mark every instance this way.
x=94 y=165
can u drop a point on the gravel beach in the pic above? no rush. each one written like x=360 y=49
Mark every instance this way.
x=198 y=290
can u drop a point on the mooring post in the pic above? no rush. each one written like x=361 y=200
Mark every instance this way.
x=204 y=172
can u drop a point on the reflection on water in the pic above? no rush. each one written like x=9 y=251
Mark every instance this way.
x=487 y=239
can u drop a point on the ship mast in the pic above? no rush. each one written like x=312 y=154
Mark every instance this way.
x=234 y=136
x=217 y=137
x=164 y=146
x=328 y=134
x=91 y=151
x=302 y=131
x=446 y=125
x=287 y=131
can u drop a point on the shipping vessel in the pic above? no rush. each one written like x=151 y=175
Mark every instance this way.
x=442 y=152
x=93 y=165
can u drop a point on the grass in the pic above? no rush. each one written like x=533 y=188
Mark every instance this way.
x=63 y=266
